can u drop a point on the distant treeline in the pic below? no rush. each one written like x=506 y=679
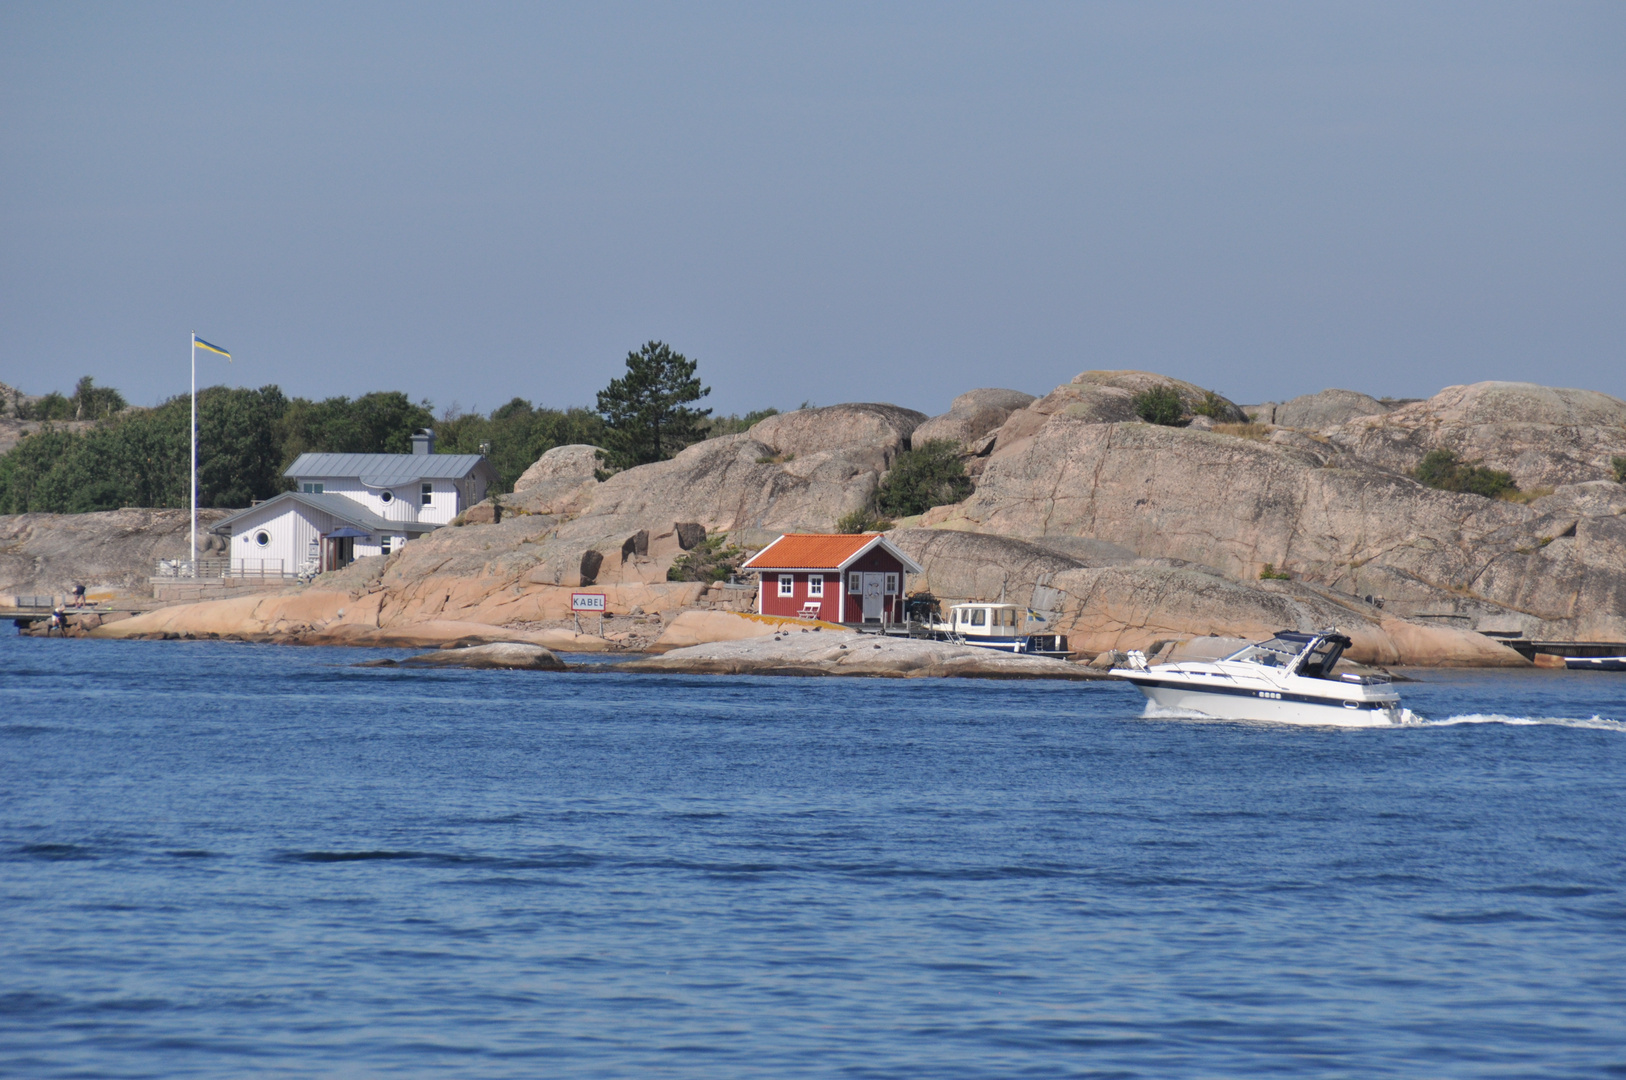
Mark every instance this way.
x=141 y=457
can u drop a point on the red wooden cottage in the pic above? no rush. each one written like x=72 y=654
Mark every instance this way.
x=838 y=578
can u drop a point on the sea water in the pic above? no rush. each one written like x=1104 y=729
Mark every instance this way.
x=235 y=860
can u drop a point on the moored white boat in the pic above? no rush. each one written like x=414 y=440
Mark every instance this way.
x=995 y=626
x=1289 y=679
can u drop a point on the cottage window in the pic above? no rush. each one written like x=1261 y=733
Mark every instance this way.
x=855 y=583
x=891 y=584
x=385 y=496
x=262 y=538
x=787 y=584
x=815 y=585
x=428 y=494
x=311 y=488
x=384 y=545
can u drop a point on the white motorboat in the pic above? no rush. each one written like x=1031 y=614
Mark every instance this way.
x=995 y=626
x=1289 y=679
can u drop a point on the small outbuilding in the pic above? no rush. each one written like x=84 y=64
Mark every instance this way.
x=840 y=577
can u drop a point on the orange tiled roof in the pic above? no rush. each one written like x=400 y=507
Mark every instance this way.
x=817 y=551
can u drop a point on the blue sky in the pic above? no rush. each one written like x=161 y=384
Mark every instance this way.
x=821 y=202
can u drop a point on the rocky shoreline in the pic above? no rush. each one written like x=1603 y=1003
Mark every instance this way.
x=1122 y=534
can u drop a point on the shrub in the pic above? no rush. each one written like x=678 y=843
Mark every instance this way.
x=864 y=520
x=713 y=559
x=1619 y=465
x=926 y=476
x=1270 y=573
x=1212 y=406
x=1441 y=469
x=1160 y=405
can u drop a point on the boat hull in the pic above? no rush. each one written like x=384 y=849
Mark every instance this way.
x=1595 y=663
x=1270 y=706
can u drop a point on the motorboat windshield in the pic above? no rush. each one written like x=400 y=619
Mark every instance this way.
x=1320 y=652
x=1276 y=653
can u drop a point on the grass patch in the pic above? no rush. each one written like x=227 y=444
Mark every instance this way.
x=1520 y=495
x=1270 y=573
x=1619 y=465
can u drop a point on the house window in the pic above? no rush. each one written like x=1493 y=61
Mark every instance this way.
x=428 y=494
x=386 y=496
x=815 y=585
x=855 y=583
x=262 y=538
x=787 y=584
x=311 y=488
x=384 y=545
x=891 y=584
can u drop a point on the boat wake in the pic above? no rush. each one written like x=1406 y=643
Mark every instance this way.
x=1408 y=718
x=1594 y=723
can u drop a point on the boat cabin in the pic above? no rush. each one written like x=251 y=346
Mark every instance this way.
x=985 y=620
x=839 y=578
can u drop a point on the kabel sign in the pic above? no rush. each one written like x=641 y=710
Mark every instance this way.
x=587 y=601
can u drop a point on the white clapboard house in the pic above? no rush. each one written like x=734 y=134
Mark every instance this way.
x=344 y=506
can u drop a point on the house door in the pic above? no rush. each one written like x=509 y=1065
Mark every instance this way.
x=874 y=596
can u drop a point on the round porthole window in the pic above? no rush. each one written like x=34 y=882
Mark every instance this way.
x=386 y=496
x=262 y=538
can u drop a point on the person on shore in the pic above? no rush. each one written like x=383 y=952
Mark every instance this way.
x=59 y=622
x=78 y=595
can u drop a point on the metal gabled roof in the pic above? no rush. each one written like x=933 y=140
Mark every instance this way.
x=346 y=510
x=390 y=470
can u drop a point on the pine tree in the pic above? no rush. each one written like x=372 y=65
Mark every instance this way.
x=646 y=413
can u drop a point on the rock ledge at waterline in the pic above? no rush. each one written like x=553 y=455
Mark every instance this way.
x=809 y=653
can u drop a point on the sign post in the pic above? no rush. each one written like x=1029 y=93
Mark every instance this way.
x=587 y=601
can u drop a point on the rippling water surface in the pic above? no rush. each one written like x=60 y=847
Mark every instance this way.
x=235 y=860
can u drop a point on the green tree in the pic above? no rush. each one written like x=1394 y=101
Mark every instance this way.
x=517 y=434
x=52 y=406
x=1441 y=469
x=646 y=412
x=92 y=402
x=378 y=423
x=923 y=477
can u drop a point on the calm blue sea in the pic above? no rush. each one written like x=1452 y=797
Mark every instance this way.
x=232 y=860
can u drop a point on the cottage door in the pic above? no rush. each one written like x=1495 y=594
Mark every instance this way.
x=874 y=596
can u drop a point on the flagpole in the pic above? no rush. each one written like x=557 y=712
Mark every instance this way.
x=194 y=360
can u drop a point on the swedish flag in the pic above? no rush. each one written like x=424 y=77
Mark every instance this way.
x=199 y=343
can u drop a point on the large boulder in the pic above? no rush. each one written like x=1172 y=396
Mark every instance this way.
x=509 y=655
x=1138 y=382
x=978 y=566
x=881 y=429
x=972 y=416
x=572 y=464
x=562 y=481
x=1096 y=397
x=1326 y=409
x=1545 y=436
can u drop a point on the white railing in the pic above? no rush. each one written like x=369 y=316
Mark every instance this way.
x=186 y=568
x=258 y=569
x=217 y=569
